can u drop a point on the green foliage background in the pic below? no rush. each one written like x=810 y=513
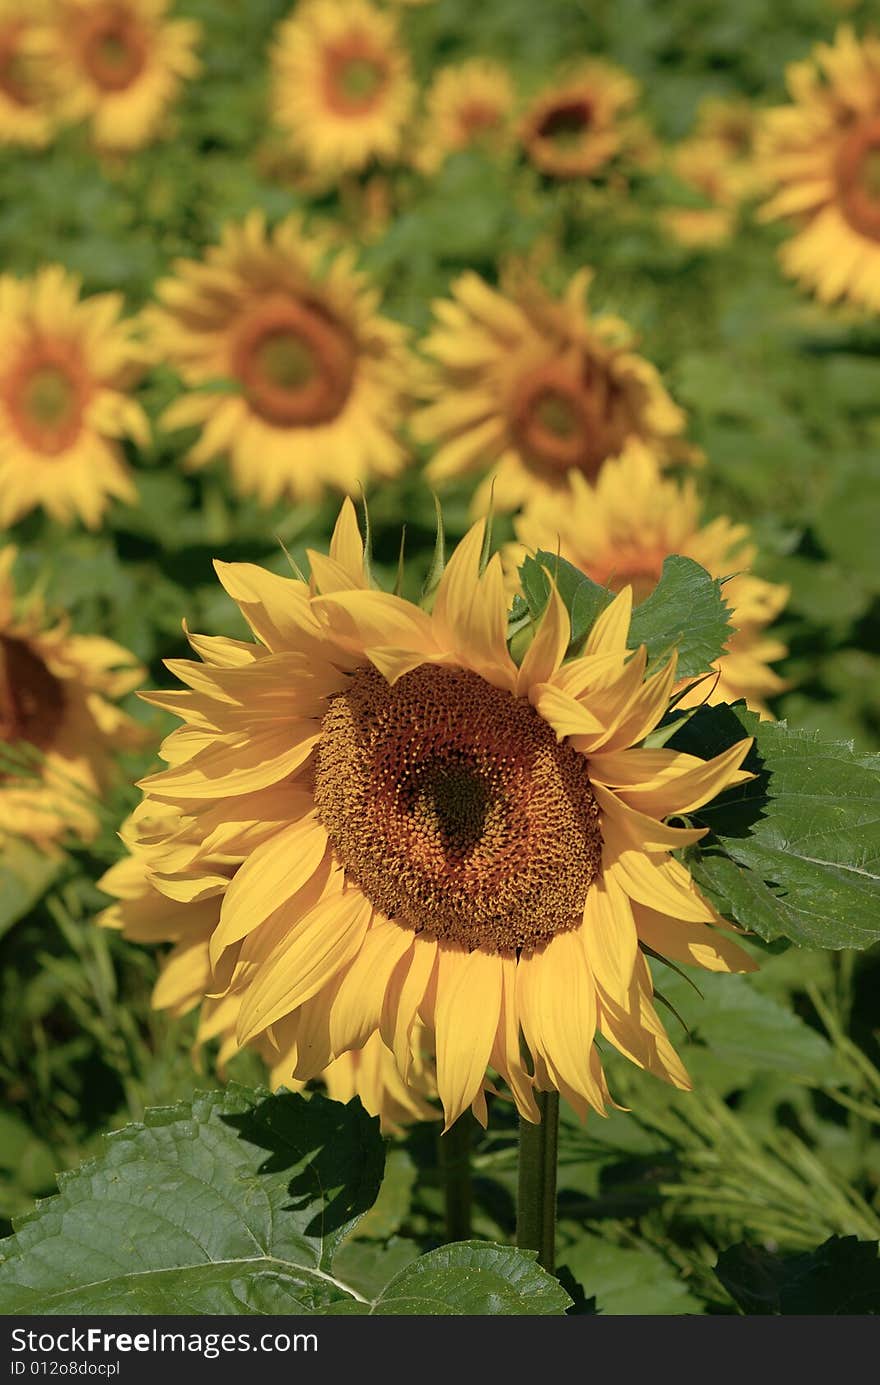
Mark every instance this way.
x=778 y=1145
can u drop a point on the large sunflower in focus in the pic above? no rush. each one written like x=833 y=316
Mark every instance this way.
x=319 y=377
x=342 y=88
x=59 y=728
x=467 y=106
x=25 y=109
x=822 y=154
x=575 y=127
x=66 y=366
x=118 y=64
x=425 y=833
x=155 y=902
x=529 y=389
x=620 y=530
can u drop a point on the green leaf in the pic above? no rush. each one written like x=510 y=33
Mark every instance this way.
x=795 y=853
x=840 y=1276
x=625 y=1280
x=25 y=875
x=240 y=1203
x=685 y=611
x=189 y=1212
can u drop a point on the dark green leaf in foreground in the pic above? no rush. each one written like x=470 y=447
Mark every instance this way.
x=840 y=1276
x=238 y=1204
x=794 y=853
x=685 y=611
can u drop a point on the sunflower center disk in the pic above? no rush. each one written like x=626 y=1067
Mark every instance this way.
x=566 y=123
x=114 y=50
x=456 y=810
x=477 y=117
x=46 y=398
x=355 y=78
x=31 y=698
x=559 y=422
x=296 y=363
x=858 y=178
x=15 y=73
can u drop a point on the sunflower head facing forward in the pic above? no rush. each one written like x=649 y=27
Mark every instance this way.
x=342 y=89
x=59 y=725
x=318 y=376
x=467 y=106
x=67 y=365
x=575 y=127
x=822 y=155
x=526 y=390
x=415 y=831
x=119 y=65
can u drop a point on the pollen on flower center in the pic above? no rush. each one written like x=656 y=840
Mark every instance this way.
x=113 y=48
x=31 y=698
x=455 y=809
x=858 y=178
x=295 y=361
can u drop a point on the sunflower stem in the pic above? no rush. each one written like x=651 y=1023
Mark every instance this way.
x=455 y=1162
x=536 y=1200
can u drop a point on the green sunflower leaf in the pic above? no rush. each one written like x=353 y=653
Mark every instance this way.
x=841 y=1276
x=239 y=1203
x=685 y=611
x=26 y=873
x=795 y=852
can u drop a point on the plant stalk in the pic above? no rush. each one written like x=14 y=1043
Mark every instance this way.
x=455 y=1162
x=536 y=1200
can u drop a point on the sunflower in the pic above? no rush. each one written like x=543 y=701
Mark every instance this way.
x=620 y=530
x=470 y=104
x=534 y=389
x=422 y=831
x=59 y=727
x=25 y=111
x=118 y=64
x=153 y=904
x=717 y=161
x=574 y=127
x=66 y=366
x=318 y=375
x=342 y=88
x=822 y=155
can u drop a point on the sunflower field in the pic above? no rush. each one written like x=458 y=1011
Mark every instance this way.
x=439 y=657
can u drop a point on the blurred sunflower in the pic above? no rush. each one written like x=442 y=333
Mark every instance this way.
x=155 y=902
x=822 y=154
x=66 y=365
x=318 y=376
x=531 y=389
x=620 y=530
x=428 y=833
x=342 y=88
x=574 y=127
x=118 y=64
x=470 y=104
x=718 y=162
x=59 y=728
x=25 y=109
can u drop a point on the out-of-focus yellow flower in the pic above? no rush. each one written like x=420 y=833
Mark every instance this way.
x=619 y=531
x=67 y=365
x=318 y=377
x=468 y=105
x=574 y=127
x=59 y=727
x=822 y=155
x=524 y=389
x=718 y=162
x=342 y=89
x=26 y=115
x=118 y=64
